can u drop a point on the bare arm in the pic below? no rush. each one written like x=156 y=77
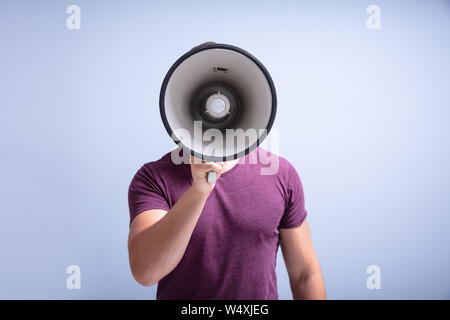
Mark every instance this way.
x=301 y=262
x=158 y=239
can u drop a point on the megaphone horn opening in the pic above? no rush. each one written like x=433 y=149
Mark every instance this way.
x=217 y=105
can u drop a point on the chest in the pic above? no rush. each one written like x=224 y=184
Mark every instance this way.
x=246 y=212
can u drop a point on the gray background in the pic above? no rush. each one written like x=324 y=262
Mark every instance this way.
x=363 y=116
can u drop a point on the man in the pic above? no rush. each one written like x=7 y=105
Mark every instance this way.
x=219 y=241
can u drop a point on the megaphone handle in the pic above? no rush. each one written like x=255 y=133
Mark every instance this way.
x=211 y=177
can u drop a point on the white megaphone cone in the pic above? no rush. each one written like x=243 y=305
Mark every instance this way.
x=224 y=90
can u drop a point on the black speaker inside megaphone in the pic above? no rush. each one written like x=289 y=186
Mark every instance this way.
x=219 y=91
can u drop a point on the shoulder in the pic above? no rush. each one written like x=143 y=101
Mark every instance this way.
x=153 y=168
x=159 y=170
x=276 y=165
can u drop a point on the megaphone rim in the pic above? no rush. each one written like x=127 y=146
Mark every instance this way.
x=209 y=47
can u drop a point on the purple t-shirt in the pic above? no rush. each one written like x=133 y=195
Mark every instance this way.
x=232 y=250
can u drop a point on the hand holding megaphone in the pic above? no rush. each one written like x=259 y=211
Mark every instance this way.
x=201 y=172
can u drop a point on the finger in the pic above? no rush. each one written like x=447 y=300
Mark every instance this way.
x=211 y=166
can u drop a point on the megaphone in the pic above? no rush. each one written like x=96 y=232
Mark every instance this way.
x=218 y=102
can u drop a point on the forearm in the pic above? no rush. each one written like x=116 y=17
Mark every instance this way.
x=157 y=250
x=309 y=287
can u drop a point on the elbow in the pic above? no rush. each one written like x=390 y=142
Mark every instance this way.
x=146 y=270
x=142 y=272
x=144 y=275
x=145 y=282
x=305 y=277
x=143 y=278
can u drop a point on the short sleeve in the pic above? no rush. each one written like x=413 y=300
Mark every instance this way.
x=144 y=194
x=295 y=211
